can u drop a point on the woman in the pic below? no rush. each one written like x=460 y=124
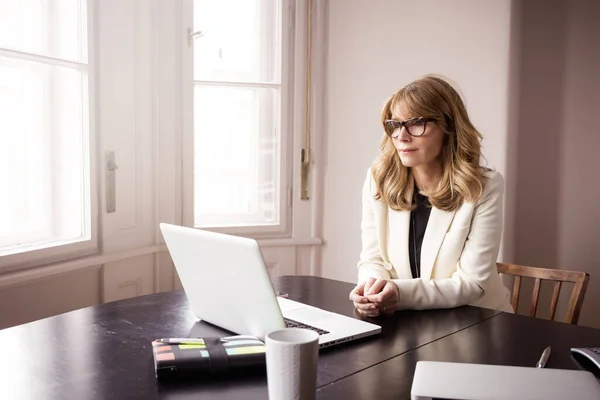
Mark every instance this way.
x=432 y=215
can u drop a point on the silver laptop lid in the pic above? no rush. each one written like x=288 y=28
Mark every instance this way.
x=225 y=280
x=449 y=380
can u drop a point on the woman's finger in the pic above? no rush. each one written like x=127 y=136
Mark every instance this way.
x=376 y=287
x=368 y=284
x=358 y=299
x=388 y=293
x=357 y=291
x=379 y=298
x=387 y=300
x=365 y=306
x=372 y=314
x=356 y=295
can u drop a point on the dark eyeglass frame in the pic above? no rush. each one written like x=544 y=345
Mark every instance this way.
x=406 y=125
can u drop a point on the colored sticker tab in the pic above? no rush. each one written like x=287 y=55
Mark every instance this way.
x=192 y=346
x=165 y=357
x=246 y=350
x=242 y=342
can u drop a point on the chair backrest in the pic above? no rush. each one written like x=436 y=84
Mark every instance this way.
x=580 y=280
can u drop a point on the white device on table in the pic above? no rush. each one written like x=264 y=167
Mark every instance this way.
x=588 y=358
x=227 y=284
x=448 y=380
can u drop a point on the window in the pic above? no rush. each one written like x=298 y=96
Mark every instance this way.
x=45 y=177
x=240 y=113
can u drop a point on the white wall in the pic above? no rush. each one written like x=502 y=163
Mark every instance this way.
x=374 y=48
x=579 y=221
x=557 y=219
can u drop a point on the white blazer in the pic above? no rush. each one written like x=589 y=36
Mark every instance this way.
x=458 y=253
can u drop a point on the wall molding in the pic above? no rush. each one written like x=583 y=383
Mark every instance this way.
x=48 y=271
x=26 y=276
x=137 y=283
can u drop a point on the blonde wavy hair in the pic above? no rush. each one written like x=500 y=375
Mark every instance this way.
x=462 y=175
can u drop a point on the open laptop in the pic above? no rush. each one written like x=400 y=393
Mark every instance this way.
x=227 y=284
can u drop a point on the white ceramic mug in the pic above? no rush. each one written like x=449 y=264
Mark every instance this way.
x=292 y=357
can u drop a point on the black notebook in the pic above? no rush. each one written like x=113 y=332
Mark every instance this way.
x=210 y=355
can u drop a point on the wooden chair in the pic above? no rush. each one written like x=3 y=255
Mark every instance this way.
x=580 y=279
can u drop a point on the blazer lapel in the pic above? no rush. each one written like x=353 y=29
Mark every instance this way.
x=399 y=222
x=437 y=226
x=403 y=220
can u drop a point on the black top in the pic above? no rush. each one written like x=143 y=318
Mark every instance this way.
x=418 y=223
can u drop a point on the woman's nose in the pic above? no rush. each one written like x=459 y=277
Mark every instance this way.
x=403 y=135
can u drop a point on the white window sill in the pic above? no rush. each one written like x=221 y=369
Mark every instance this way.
x=21 y=249
x=20 y=277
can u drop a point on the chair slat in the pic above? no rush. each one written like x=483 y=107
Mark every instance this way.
x=576 y=301
x=554 y=301
x=515 y=294
x=535 y=297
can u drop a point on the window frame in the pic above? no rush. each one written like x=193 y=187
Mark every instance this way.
x=284 y=228
x=35 y=255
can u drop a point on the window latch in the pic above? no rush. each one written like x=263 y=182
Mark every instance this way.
x=111 y=184
x=304 y=175
x=193 y=35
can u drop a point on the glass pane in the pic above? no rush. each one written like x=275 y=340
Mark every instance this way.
x=71 y=147
x=236 y=163
x=24 y=159
x=240 y=41
x=44 y=173
x=54 y=28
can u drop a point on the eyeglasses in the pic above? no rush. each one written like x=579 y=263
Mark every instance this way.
x=414 y=127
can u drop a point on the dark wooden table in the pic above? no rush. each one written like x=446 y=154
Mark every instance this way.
x=505 y=339
x=104 y=351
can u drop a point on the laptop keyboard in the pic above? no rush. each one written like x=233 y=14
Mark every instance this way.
x=290 y=323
